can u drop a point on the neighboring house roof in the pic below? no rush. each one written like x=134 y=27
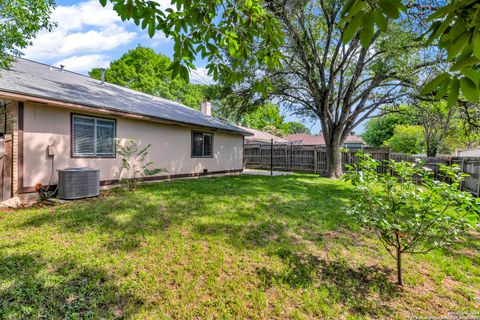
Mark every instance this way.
x=263 y=136
x=354 y=140
x=308 y=139
x=303 y=138
x=39 y=80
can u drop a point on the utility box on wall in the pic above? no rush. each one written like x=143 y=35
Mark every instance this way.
x=51 y=151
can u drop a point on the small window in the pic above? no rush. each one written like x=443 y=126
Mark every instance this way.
x=202 y=144
x=93 y=137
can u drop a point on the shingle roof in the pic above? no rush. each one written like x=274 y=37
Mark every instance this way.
x=38 y=80
x=258 y=135
x=308 y=139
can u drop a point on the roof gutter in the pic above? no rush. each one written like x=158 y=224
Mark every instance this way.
x=12 y=95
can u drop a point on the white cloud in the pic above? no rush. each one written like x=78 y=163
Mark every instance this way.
x=60 y=44
x=86 y=27
x=88 y=13
x=85 y=63
x=200 y=76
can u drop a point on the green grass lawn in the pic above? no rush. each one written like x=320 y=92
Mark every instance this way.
x=231 y=247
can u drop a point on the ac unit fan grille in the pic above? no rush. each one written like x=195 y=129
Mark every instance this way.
x=77 y=183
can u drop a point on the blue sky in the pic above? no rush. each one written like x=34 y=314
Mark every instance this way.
x=90 y=36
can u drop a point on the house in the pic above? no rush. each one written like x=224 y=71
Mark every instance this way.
x=261 y=137
x=467 y=153
x=352 y=142
x=55 y=119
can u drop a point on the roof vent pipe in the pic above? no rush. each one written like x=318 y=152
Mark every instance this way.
x=103 y=76
x=206 y=108
x=62 y=67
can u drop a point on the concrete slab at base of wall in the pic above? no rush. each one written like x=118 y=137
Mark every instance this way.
x=20 y=201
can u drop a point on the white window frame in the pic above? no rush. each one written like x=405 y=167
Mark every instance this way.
x=95 y=154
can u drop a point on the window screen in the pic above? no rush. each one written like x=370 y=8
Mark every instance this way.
x=202 y=144
x=93 y=137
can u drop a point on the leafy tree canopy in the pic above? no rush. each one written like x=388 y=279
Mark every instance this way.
x=20 y=21
x=205 y=27
x=268 y=118
x=266 y=115
x=435 y=117
x=297 y=127
x=407 y=139
x=381 y=128
x=453 y=27
x=145 y=70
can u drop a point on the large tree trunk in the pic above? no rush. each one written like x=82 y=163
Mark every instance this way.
x=432 y=150
x=334 y=159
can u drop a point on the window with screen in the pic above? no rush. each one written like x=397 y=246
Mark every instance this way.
x=93 y=137
x=202 y=144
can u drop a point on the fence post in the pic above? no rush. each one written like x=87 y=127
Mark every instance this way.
x=462 y=185
x=291 y=157
x=271 y=157
x=478 y=183
x=315 y=160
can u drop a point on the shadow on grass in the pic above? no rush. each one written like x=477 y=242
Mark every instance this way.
x=354 y=287
x=467 y=249
x=34 y=288
x=245 y=236
x=155 y=208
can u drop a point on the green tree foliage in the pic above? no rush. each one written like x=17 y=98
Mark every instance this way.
x=407 y=139
x=436 y=119
x=381 y=128
x=144 y=70
x=296 y=127
x=460 y=136
x=454 y=27
x=263 y=116
x=409 y=210
x=465 y=130
x=206 y=27
x=20 y=21
x=268 y=118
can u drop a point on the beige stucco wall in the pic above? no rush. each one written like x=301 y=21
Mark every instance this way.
x=171 y=146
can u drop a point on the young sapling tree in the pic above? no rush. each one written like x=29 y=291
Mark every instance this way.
x=135 y=165
x=407 y=208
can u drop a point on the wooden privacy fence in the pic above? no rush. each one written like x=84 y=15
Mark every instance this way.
x=468 y=165
x=299 y=158
x=6 y=151
x=313 y=159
